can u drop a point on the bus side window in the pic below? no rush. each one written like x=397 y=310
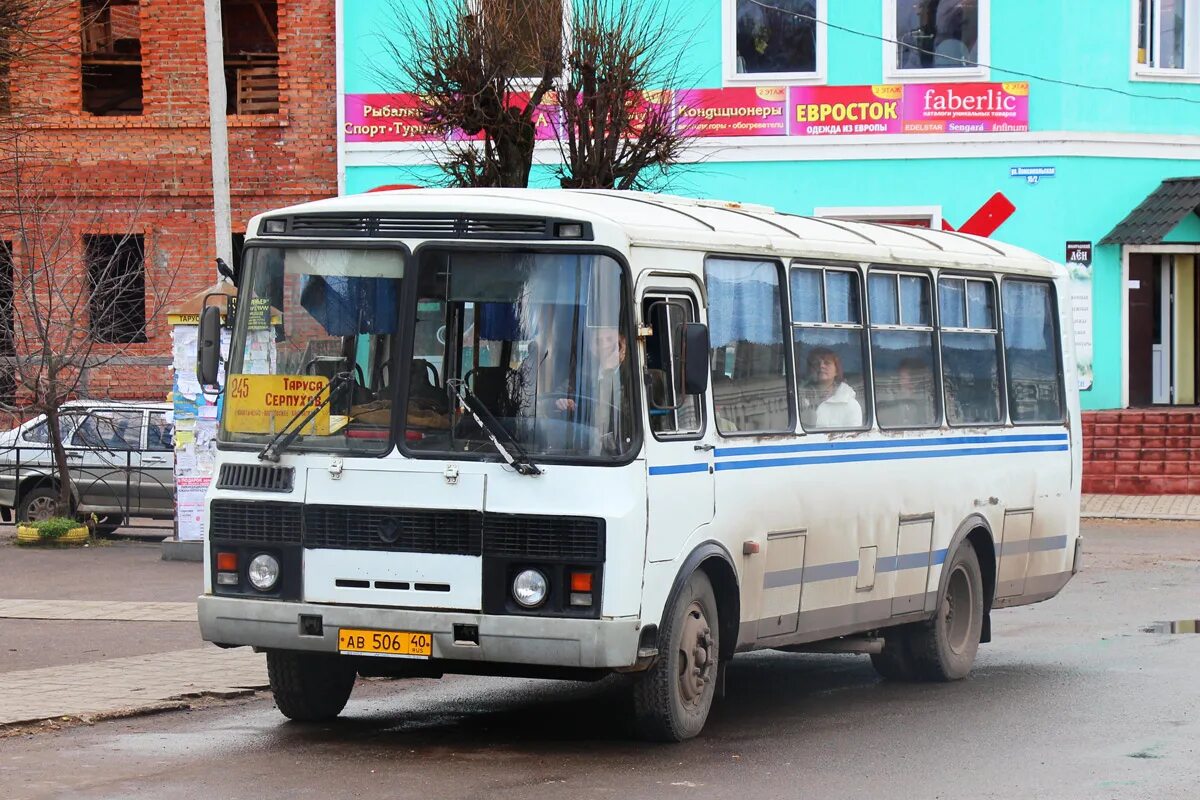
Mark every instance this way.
x=970 y=352
x=905 y=377
x=827 y=325
x=752 y=391
x=1035 y=379
x=670 y=414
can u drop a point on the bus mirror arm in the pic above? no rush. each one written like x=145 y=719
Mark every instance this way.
x=695 y=358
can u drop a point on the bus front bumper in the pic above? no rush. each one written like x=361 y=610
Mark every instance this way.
x=548 y=641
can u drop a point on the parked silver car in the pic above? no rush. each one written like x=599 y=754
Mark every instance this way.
x=121 y=457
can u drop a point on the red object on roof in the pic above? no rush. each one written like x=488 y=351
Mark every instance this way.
x=387 y=187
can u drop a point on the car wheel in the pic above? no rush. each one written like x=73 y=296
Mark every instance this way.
x=310 y=687
x=109 y=524
x=39 y=504
x=671 y=699
x=944 y=648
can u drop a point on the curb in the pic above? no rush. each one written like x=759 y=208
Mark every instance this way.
x=1129 y=515
x=174 y=549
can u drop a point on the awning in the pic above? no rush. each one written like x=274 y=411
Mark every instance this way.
x=1158 y=214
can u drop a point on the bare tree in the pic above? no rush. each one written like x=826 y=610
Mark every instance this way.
x=618 y=128
x=482 y=68
x=70 y=305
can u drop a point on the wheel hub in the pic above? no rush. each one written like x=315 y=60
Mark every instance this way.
x=42 y=508
x=697 y=659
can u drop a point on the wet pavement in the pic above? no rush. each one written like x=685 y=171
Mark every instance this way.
x=1072 y=699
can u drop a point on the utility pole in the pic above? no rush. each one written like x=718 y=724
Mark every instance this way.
x=214 y=39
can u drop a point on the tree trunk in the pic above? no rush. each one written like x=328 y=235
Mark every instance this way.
x=60 y=460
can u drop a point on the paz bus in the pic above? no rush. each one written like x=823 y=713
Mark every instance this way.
x=567 y=434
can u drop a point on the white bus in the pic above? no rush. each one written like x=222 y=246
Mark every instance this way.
x=566 y=434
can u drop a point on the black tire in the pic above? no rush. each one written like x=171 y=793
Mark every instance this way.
x=35 y=502
x=895 y=662
x=944 y=648
x=669 y=705
x=309 y=687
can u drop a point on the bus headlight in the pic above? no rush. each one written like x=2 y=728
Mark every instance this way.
x=263 y=572
x=529 y=588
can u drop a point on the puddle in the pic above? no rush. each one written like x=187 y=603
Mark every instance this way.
x=1177 y=626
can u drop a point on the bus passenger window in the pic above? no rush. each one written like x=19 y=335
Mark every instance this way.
x=902 y=350
x=751 y=390
x=1035 y=380
x=970 y=356
x=670 y=413
x=830 y=362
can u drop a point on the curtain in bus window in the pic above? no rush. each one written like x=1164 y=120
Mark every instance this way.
x=1031 y=351
x=971 y=371
x=349 y=306
x=749 y=375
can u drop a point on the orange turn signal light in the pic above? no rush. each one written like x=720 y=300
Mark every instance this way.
x=227 y=562
x=581 y=581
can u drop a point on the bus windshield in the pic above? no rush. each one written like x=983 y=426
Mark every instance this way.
x=538 y=339
x=314 y=322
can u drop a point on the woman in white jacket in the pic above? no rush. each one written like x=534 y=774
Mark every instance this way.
x=827 y=401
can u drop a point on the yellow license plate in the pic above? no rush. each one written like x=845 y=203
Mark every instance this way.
x=404 y=644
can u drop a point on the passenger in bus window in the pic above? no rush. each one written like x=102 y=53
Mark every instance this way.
x=914 y=402
x=826 y=400
x=613 y=407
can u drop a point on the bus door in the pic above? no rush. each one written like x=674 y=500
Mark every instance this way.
x=679 y=450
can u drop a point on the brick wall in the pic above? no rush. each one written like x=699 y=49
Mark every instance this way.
x=1138 y=451
x=152 y=175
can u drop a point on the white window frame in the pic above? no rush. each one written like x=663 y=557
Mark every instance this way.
x=729 y=48
x=1190 y=73
x=522 y=83
x=983 y=52
x=872 y=213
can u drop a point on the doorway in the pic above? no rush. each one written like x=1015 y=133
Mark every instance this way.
x=1163 y=317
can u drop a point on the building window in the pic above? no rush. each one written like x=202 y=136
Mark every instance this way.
x=936 y=38
x=911 y=216
x=827 y=326
x=783 y=40
x=251 y=34
x=112 y=57
x=117 y=281
x=1167 y=37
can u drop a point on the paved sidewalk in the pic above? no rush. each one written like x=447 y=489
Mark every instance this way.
x=121 y=686
x=1148 y=507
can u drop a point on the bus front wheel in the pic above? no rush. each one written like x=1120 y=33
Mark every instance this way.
x=309 y=687
x=944 y=648
x=671 y=699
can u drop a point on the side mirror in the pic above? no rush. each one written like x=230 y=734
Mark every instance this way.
x=208 y=347
x=695 y=358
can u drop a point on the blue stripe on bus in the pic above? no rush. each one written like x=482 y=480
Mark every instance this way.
x=677 y=469
x=763 y=463
x=726 y=452
x=848 y=569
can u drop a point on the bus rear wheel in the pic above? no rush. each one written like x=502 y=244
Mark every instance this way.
x=309 y=687
x=944 y=648
x=672 y=699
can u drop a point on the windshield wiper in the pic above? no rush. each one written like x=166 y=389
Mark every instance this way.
x=494 y=430
x=291 y=430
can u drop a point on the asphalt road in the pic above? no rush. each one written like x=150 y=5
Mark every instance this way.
x=1073 y=699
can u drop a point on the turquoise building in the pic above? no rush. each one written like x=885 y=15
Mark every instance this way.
x=1068 y=127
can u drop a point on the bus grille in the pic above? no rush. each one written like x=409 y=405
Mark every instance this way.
x=449 y=532
x=527 y=536
x=256 y=478
x=404 y=530
x=268 y=523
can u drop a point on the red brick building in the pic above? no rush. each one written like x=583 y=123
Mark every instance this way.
x=120 y=124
